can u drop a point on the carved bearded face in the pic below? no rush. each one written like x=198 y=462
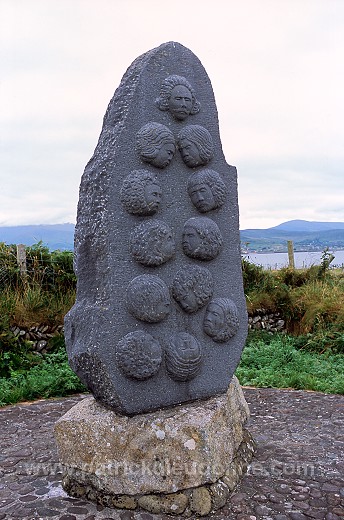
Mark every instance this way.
x=191 y=240
x=180 y=102
x=153 y=193
x=202 y=197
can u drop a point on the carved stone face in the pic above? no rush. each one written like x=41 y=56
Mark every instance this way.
x=180 y=102
x=187 y=300
x=191 y=240
x=152 y=243
x=190 y=153
x=201 y=238
x=202 y=197
x=168 y=246
x=141 y=193
x=206 y=190
x=164 y=155
x=192 y=288
x=221 y=320
x=214 y=320
x=153 y=193
x=155 y=144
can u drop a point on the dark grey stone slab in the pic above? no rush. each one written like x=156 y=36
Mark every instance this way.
x=160 y=315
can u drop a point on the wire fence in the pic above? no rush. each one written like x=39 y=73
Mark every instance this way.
x=5 y=278
x=22 y=266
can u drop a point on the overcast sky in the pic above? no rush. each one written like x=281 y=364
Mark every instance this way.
x=277 y=70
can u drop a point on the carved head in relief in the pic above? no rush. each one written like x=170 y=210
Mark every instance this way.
x=206 y=190
x=183 y=357
x=202 y=238
x=141 y=193
x=192 y=287
x=221 y=320
x=138 y=355
x=178 y=97
x=155 y=144
x=152 y=243
x=148 y=298
x=195 y=145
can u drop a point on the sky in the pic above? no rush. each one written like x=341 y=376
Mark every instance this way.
x=277 y=72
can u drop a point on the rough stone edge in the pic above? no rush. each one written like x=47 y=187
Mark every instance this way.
x=199 y=500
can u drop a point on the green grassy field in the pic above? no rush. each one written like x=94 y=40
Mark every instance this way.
x=309 y=356
x=267 y=361
x=277 y=362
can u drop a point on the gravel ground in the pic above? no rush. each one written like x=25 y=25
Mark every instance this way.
x=297 y=472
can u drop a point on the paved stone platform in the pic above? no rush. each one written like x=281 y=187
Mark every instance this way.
x=297 y=473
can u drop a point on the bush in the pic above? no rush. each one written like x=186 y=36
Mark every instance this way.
x=321 y=341
x=44 y=295
x=9 y=271
x=15 y=355
x=293 y=277
x=51 y=271
x=51 y=378
x=318 y=306
x=255 y=277
x=309 y=300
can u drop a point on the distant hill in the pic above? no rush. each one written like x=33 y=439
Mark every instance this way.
x=305 y=225
x=306 y=236
x=55 y=236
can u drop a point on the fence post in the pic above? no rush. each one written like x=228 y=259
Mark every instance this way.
x=21 y=260
x=291 y=254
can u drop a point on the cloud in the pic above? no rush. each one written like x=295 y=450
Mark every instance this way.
x=276 y=72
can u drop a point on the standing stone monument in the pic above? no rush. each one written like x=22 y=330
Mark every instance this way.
x=160 y=317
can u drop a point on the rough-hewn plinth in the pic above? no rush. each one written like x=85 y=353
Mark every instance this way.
x=129 y=461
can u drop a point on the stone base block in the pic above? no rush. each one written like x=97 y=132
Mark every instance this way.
x=176 y=460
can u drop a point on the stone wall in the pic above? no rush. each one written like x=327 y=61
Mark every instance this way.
x=262 y=319
x=40 y=334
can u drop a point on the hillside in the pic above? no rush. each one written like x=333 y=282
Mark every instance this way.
x=306 y=236
x=55 y=236
x=305 y=225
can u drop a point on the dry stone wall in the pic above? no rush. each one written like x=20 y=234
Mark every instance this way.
x=42 y=333
x=265 y=320
x=38 y=334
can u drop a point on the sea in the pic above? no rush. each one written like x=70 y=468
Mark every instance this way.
x=302 y=259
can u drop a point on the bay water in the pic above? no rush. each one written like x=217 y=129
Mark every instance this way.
x=302 y=259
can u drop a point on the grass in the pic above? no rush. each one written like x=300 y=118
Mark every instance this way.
x=309 y=357
x=267 y=361
x=35 y=306
x=319 y=303
x=51 y=378
x=278 y=363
